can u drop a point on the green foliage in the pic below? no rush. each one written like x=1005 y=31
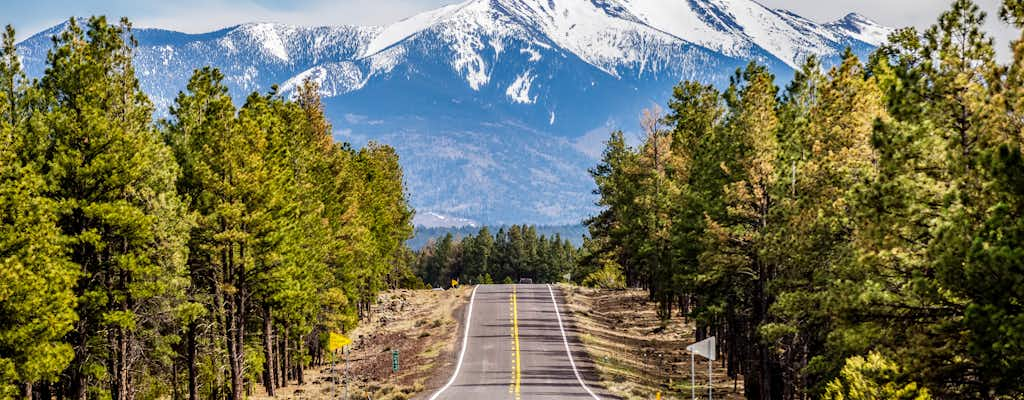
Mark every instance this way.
x=114 y=181
x=513 y=252
x=315 y=227
x=870 y=378
x=872 y=210
x=36 y=277
x=609 y=277
x=484 y=279
x=134 y=253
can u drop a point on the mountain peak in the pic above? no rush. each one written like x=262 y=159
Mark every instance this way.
x=861 y=28
x=856 y=18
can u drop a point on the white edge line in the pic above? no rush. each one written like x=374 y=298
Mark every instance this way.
x=465 y=339
x=566 y=342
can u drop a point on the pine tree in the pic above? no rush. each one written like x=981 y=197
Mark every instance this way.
x=614 y=230
x=696 y=118
x=829 y=155
x=918 y=218
x=977 y=248
x=202 y=120
x=36 y=277
x=115 y=180
x=736 y=244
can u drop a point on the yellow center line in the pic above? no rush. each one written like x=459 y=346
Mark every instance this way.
x=515 y=341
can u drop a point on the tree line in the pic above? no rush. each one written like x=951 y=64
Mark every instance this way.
x=856 y=235
x=194 y=256
x=512 y=253
x=422 y=235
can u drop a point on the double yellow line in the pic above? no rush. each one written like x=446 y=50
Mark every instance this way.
x=515 y=342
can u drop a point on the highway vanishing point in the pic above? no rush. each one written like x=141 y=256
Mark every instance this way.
x=517 y=344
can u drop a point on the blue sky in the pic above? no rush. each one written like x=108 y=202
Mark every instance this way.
x=30 y=16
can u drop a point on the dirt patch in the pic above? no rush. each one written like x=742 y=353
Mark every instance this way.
x=420 y=324
x=636 y=356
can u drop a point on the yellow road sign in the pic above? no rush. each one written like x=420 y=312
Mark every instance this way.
x=337 y=341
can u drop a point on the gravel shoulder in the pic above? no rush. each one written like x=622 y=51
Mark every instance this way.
x=635 y=356
x=420 y=324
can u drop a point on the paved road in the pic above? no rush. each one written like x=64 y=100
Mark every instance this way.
x=524 y=323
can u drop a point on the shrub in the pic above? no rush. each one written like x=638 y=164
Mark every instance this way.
x=874 y=377
x=608 y=277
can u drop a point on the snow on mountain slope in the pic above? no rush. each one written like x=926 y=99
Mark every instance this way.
x=334 y=79
x=612 y=34
x=601 y=33
x=268 y=37
x=734 y=26
x=861 y=28
x=691 y=21
x=519 y=90
x=432 y=219
x=400 y=30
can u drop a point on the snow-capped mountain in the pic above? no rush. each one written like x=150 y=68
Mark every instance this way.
x=496 y=107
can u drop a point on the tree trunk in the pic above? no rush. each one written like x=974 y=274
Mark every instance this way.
x=174 y=381
x=78 y=384
x=299 y=365
x=45 y=390
x=220 y=334
x=279 y=365
x=190 y=360
x=285 y=361
x=122 y=365
x=112 y=364
x=269 y=375
x=275 y=367
x=236 y=323
x=236 y=393
x=238 y=349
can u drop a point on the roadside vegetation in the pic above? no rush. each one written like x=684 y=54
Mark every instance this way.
x=200 y=256
x=635 y=352
x=420 y=324
x=856 y=235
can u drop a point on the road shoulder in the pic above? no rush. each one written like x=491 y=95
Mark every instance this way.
x=633 y=355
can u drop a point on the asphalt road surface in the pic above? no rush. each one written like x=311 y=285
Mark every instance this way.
x=519 y=345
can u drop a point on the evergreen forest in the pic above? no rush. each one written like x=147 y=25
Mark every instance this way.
x=857 y=234
x=510 y=254
x=192 y=256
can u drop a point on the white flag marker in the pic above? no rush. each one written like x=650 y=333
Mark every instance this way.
x=705 y=348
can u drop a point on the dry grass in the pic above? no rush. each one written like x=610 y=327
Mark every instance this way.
x=635 y=354
x=419 y=323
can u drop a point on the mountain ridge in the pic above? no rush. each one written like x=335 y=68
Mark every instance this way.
x=496 y=107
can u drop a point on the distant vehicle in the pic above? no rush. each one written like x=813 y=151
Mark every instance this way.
x=526 y=281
